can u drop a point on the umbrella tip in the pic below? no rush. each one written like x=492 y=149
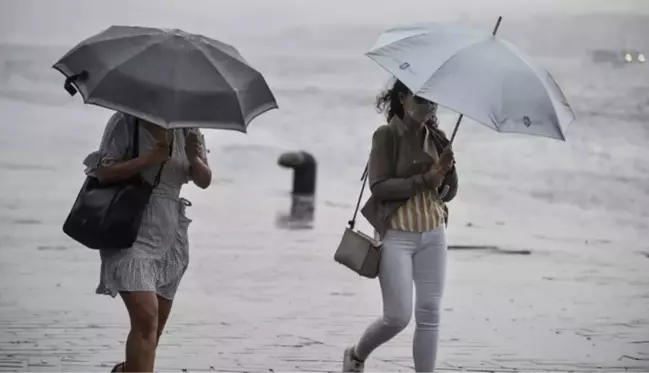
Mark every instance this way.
x=500 y=18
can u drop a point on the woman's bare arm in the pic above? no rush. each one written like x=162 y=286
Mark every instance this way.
x=200 y=172
x=199 y=169
x=119 y=171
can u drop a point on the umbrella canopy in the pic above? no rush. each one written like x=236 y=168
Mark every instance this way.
x=475 y=74
x=168 y=77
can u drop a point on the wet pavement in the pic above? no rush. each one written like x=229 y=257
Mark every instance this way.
x=276 y=301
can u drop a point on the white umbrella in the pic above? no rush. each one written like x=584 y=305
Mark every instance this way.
x=475 y=74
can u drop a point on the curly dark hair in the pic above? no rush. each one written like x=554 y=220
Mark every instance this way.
x=389 y=103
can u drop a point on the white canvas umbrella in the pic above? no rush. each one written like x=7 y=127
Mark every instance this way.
x=475 y=74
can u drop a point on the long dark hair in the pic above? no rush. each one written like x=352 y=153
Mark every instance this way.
x=389 y=102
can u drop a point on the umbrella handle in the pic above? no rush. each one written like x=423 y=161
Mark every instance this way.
x=443 y=191
x=69 y=86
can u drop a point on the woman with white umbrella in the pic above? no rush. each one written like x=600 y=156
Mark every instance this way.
x=474 y=74
x=409 y=162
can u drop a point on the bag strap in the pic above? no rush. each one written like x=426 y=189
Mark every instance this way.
x=364 y=178
x=136 y=150
x=171 y=151
x=352 y=223
x=135 y=147
x=157 y=178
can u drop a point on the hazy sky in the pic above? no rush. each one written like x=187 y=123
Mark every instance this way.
x=67 y=21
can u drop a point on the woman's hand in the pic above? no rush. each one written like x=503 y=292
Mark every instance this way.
x=199 y=169
x=437 y=173
x=119 y=171
x=447 y=159
x=435 y=176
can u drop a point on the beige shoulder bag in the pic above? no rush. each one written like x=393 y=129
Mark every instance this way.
x=358 y=251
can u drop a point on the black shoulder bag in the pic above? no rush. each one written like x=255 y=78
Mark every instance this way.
x=108 y=216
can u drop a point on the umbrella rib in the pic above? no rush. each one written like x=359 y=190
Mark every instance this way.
x=225 y=48
x=423 y=32
x=446 y=63
x=201 y=48
x=174 y=91
x=438 y=69
x=532 y=66
x=100 y=39
x=471 y=45
x=140 y=50
x=433 y=73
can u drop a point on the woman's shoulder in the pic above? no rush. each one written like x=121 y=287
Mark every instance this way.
x=119 y=119
x=389 y=129
x=120 y=126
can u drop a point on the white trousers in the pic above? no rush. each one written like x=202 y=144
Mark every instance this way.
x=410 y=258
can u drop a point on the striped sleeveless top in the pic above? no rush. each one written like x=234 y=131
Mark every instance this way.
x=423 y=212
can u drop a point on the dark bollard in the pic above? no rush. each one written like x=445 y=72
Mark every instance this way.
x=304 y=175
x=304 y=168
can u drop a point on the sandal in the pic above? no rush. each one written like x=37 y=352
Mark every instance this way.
x=119 y=367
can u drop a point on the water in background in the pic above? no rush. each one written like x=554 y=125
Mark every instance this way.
x=514 y=190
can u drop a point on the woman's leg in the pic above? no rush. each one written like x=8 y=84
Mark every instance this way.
x=141 y=344
x=167 y=292
x=164 y=310
x=166 y=296
x=395 y=277
x=429 y=271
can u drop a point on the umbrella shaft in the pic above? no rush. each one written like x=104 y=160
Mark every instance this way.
x=457 y=125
